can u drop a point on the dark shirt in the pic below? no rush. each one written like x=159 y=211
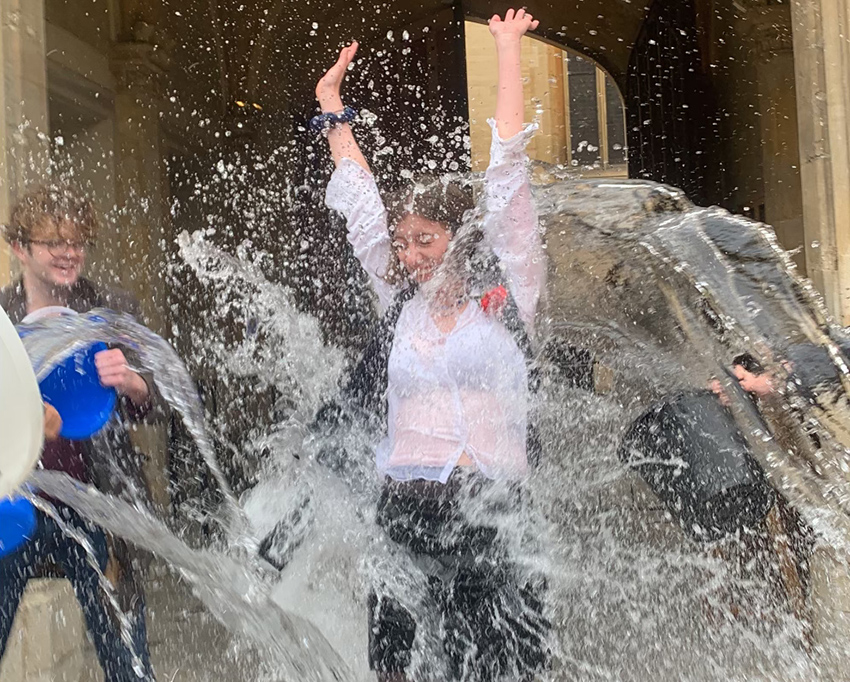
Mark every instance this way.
x=65 y=455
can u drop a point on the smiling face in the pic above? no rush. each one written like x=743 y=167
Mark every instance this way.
x=421 y=245
x=54 y=254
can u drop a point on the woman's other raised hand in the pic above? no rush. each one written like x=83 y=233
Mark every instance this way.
x=513 y=27
x=510 y=102
x=328 y=88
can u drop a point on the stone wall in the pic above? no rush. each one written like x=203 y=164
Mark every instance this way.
x=23 y=105
x=48 y=641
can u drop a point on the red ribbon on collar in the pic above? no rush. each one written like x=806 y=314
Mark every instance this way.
x=494 y=300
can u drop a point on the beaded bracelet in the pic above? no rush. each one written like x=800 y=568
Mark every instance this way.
x=324 y=122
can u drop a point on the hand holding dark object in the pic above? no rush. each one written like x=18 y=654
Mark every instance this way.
x=717 y=388
x=691 y=453
x=759 y=385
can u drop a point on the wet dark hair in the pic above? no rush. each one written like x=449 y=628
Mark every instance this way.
x=58 y=203
x=749 y=363
x=444 y=201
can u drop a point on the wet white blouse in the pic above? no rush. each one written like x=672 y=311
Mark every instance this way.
x=465 y=390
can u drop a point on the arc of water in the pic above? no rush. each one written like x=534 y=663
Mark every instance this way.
x=49 y=342
x=804 y=478
x=233 y=593
x=103 y=582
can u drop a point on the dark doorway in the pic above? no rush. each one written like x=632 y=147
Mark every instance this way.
x=671 y=121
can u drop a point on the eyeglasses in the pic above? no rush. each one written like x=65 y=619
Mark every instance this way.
x=57 y=247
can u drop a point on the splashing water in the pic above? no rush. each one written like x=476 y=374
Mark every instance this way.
x=79 y=536
x=664 y=294
x=49 y=342
x=236 y=595
x=233 y=587
x=632 y=597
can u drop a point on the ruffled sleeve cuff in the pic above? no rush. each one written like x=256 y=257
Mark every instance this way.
x=349 y=186
x=510 y=150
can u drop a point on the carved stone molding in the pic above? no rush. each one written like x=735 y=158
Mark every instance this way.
x=141 y=63
x=772 y=41
x=771 y=34
x=769 y=5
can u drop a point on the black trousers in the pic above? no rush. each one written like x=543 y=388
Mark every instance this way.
x=490 y=619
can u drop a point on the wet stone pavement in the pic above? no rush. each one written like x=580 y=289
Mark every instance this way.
x=49 y=642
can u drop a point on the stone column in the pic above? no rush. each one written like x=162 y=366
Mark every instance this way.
x=830 y=600
x=821 y=30
x=137 y=244
x=772 y=38
x=140 y=172
x=23 y=113
x=822 y=65
x=546 y=99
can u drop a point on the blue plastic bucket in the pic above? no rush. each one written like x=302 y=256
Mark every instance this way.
x=74 y=389
x=17 y=523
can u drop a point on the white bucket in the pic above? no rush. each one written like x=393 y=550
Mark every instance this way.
x=21 y=411
x=46 y=312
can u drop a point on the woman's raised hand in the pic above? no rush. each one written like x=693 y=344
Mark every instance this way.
x=510 y=101
x=328 y=88
x=340 y=138
x=514 y=26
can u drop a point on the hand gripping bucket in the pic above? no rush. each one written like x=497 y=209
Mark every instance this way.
x=74 y=388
